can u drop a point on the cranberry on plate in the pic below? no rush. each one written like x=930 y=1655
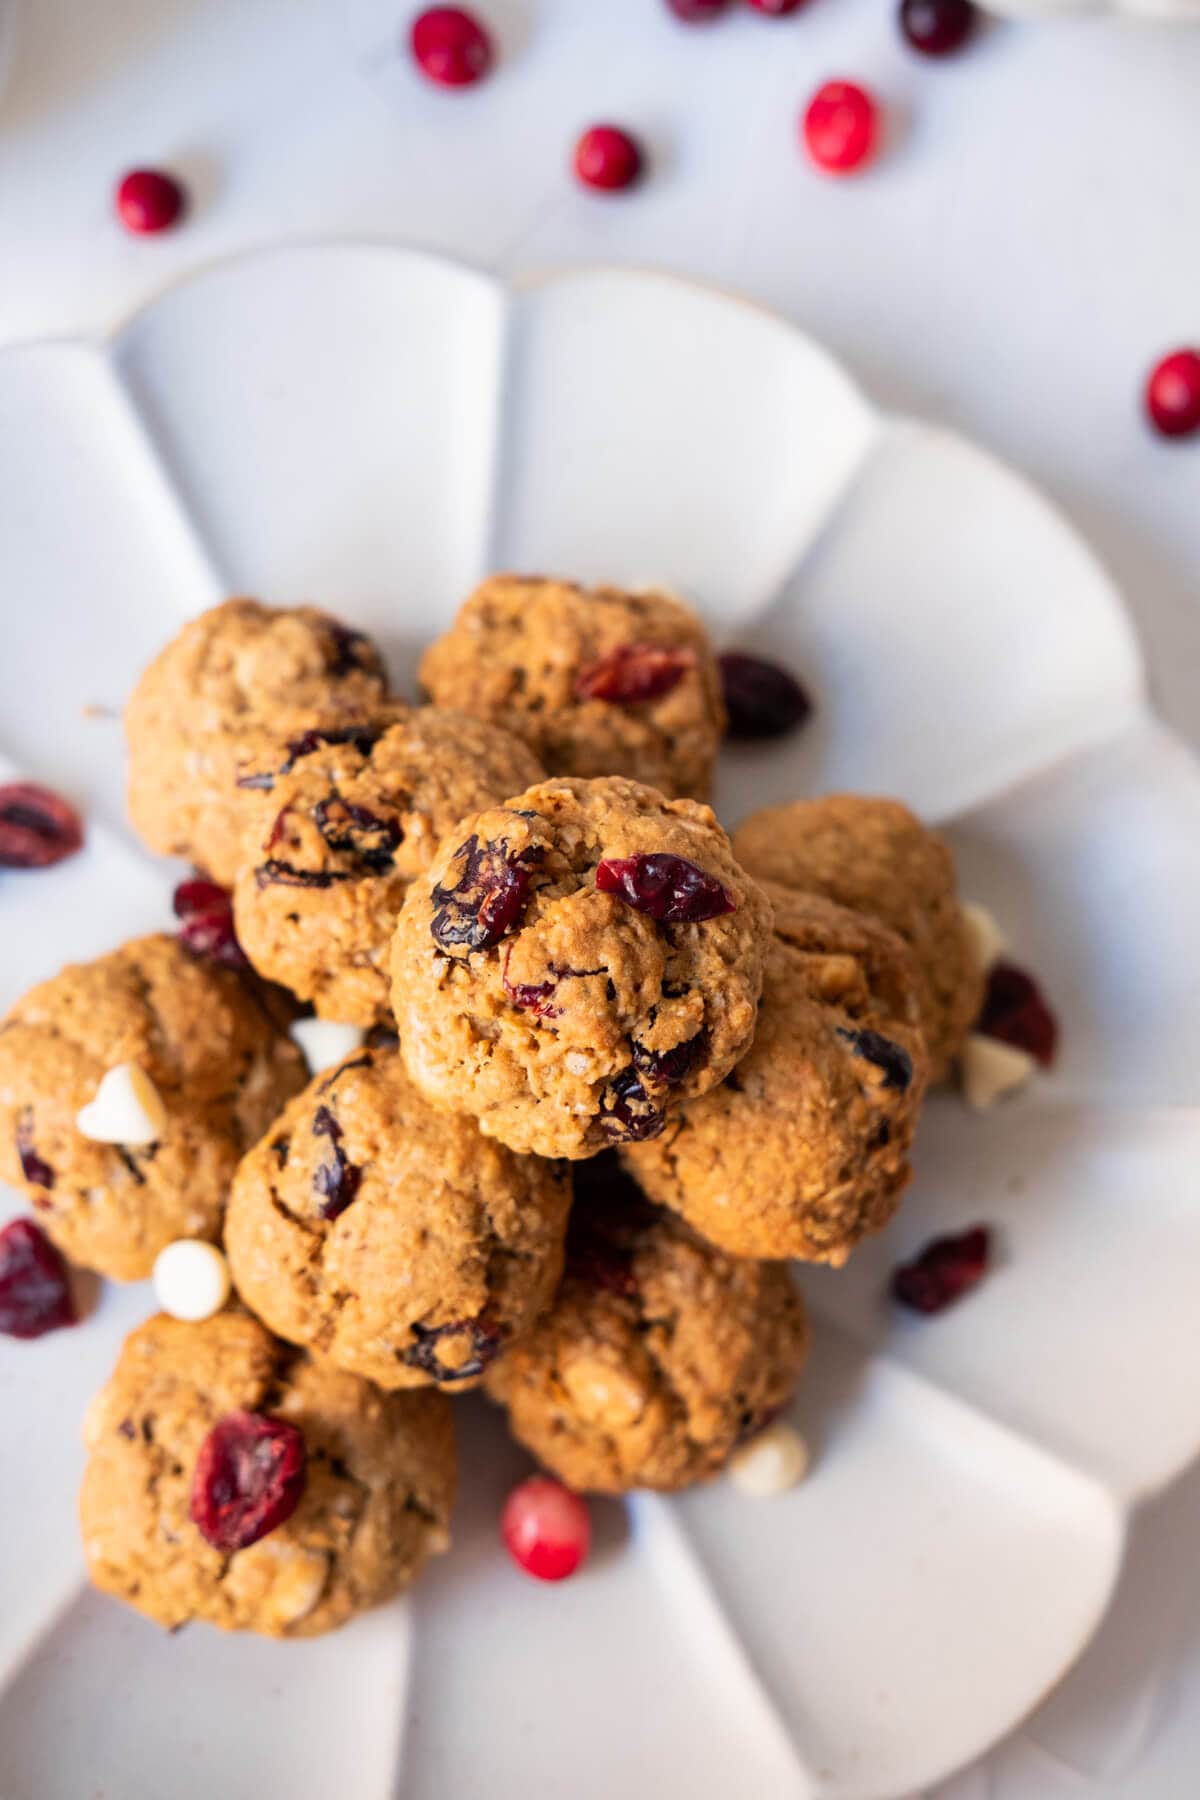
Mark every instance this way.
x=1173 y=394
x=608 y=158
x=840 y=127
x=945 y=1270
x=148 y=201
x=450 y=46
x=546 y=1529
x=35 y=1292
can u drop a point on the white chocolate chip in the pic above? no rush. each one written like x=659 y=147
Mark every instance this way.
x=986 y=940
x=578 y=1062
x=990 y=1069
x=127 y=1109
x=298 y=1586
x=191 y=1279
x=770 y=1463
x=325 y=1042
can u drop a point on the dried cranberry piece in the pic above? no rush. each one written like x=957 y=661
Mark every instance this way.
x=669 y=1067
x=629 y=1114
x=893 y=1059
x=633 y=673
x=351 y=650
x=207 y=929
x=1015 y=1011
x=424 y=1355
x=358 y=832
x=945 y=1270
x=277 y=873
x=488 y=897
x=337 y=1181
x=35 y=1170
x=670 y=888
x=37 y=827
x=35 y=1293
x=762 y=699
x=249 y=1478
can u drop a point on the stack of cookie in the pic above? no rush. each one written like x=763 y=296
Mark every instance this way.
x=582 y=1075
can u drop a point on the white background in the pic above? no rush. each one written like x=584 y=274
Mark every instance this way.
x=1026 y=247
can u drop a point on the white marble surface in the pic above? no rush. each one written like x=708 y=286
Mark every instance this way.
x=1026 y=248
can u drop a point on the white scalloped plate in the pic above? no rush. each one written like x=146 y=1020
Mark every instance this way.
x=375 y=429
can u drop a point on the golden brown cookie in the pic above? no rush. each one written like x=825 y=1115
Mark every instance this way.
x=396 y=1240
x=876 y=857
x=659 y=1355
x=220 y=1065
x=577 y=963
x=365 y=1497
x=238 y=669
x=341 y=821
x=803 y=1150
x=597 y=682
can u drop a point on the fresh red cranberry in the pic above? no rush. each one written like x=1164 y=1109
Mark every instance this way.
x=937 y=27
x=450 y=46
x=37 y=827
x=149 y=201
x=207 y=929
x=762 y=699
x=777 y=9
x=840 y=127
x=249 y=1478
x=486 y=900
x=633 y=673
x=1015 y=1011
x=670 y=888
x=945 y=1270
x=35 y=1293
x=546 y=1529
x=696 y=12
x=608 y=158
x=1173 y=394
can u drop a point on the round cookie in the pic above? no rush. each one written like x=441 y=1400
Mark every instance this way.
x=393 y=1239
x=598 y=682
x=341 y=822
x=659 y=1356
x=221 y=1068
x=804 y=1148
x=876 y=857
x=378 y=1482
x=577 y=963
x=238 y=669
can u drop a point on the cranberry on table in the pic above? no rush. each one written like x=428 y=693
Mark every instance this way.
x=546 y=1529
x=937 y=27
x=35 y=1292
x=450 y=46
x=1016 y=1012
x=149 y=200
x=762 y=699
x=696 y=12
x=1173 y=394
x=608 y=158
x=37 y=827
x=840 y=127
x=946 y=1269
x=207 y=928
x=249 y=1477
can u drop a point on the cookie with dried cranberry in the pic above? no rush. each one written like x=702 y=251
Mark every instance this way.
x=238 y=669
x=597 y=681
x=221 y=1069
x=577 y=963
x=395 y=1240
x=234 y=1480
x=876 y=857
x=804 y=1148
x=658 y=1357
x=339 y=823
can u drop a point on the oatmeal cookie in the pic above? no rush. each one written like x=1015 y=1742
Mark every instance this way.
x=658 y=1357
x=577 y=963
x=340 y=823
x=876 y=857
x=365 y=1498
x=222 y=1070
x=803 y=1150
x=598 y=682
x=395 y=1240
x=238 y=669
